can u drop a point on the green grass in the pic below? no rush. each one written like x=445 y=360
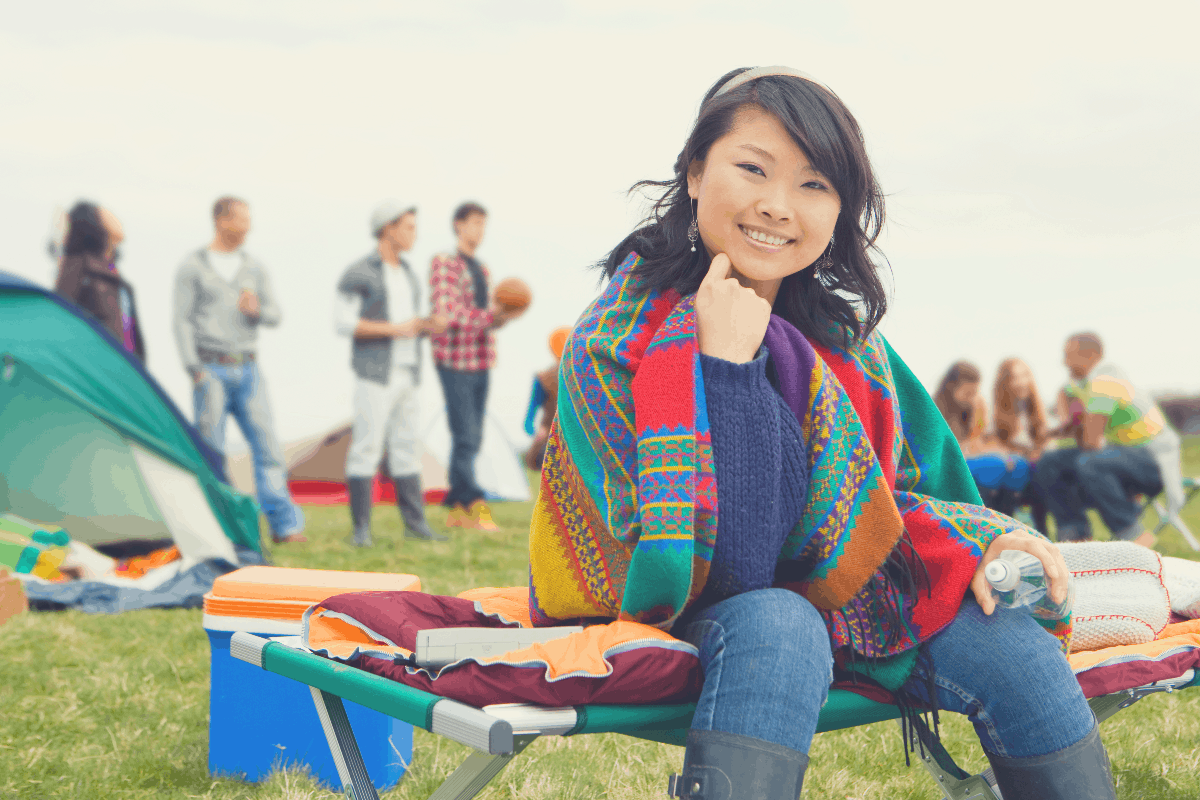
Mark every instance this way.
x=117 y=707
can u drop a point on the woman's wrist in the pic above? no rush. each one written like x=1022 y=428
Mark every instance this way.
x=720 y=372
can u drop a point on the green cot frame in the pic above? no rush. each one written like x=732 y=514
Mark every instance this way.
x=499 y=733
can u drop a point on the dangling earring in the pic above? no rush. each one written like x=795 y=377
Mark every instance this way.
x=825 y=262
x=694 y=229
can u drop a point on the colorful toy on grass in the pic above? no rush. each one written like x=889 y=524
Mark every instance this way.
x=30 y=548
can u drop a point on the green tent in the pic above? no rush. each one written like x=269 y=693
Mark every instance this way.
x=90 y=441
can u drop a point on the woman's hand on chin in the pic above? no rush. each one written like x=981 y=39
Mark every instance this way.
x=731 y=320
x=1048 y=553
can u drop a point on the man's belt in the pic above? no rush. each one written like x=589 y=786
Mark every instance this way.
x=214 y=357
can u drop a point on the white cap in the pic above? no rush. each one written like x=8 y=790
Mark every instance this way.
x=388 y=212
x=1002 y=575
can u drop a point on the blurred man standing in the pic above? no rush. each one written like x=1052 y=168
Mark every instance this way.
x=1125 y=447
x=464 y=354
x=222 y=296
x=377 y=306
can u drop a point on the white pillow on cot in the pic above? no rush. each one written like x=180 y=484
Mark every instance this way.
x=1120 y=597
x=1182 y=578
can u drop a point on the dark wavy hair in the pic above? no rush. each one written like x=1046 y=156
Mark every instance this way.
x=86 y=234
x=465 y=210
x=844 y=302
x=963 y=421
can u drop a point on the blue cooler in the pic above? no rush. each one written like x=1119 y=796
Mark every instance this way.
x=258 y=721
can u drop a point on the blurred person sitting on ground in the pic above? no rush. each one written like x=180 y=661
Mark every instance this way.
x=222 y=296
x=963 y=407
x=89 y=278
x=465 y=353
x=1020 y=431
x=1000 y=475
x=742 y=459
x=1123 y=447
x=544 y=399
x=377 y=305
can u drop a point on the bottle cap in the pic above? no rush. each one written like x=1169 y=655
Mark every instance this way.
x=1001 y=575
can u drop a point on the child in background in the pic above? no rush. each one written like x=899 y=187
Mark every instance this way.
x=544 y=397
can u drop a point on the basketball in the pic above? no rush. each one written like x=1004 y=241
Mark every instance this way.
x=514 y=294
x=558 y=340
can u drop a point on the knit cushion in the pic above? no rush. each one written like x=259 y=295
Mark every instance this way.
x=1182 y=578
x=1120 y=598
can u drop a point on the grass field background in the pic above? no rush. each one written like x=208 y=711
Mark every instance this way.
x=117 y=706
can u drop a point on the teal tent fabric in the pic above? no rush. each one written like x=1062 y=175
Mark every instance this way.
x=48 y=345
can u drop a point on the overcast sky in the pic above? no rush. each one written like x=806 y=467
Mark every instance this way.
x=1039 y=158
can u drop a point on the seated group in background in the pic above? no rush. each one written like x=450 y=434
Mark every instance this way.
x=1001 y=459
x=1123 y=448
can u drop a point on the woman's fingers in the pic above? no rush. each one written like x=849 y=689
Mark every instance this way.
x=1058 y=589
x=731 y=319
x=983 y=592
x=1054 y=566
x=718 y=270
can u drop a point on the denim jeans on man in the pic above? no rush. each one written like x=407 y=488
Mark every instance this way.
x=466 y=398
x=239 y=390
x=1073 y=480
x=767 y=670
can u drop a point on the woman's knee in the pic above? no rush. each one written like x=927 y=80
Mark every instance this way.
x=1007 y=652
x=774 y=621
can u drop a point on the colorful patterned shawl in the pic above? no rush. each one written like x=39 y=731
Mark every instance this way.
x=626 y=519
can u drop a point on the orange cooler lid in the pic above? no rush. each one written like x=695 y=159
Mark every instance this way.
x=259 y=609
x=308 y=585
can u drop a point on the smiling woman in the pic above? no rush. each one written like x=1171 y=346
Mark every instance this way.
x=740 y=458
x=770 y=159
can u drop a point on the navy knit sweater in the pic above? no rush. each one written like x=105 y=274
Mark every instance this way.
x=762 y=474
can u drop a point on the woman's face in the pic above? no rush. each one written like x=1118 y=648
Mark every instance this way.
x=964 y=393
x=762 y=203
x=1020 y=380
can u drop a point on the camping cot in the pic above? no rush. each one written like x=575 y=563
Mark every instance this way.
x=499 y=733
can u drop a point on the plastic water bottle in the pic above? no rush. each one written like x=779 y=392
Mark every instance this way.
x=1018 y=581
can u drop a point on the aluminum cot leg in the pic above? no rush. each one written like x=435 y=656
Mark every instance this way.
x=973 y=787
x=477 y=771
x=954 y=782
x=356 y=783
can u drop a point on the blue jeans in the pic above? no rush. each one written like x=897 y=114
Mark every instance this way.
x=767 y=670
x=993 y=471
x=466 y=398
x=239 y=390
x=1073 y=480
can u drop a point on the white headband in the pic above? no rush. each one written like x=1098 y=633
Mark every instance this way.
x=761 y=72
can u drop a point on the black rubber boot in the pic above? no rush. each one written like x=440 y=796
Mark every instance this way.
x=1079 y=772
x=412 y=509
x=360 y=509
x=728 y=766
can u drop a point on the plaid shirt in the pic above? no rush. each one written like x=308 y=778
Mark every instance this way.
x=468 y=344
